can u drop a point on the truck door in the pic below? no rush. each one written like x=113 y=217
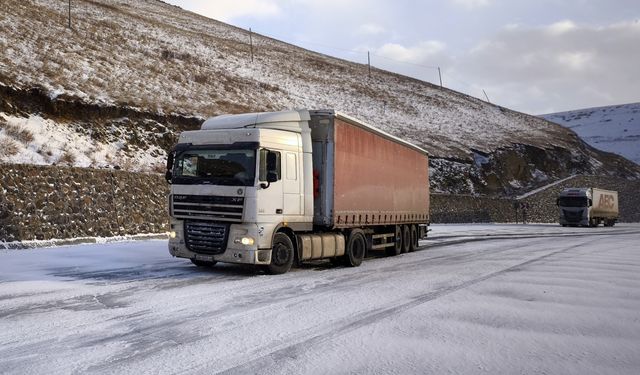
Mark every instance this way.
x=270 y=200
x=291 y=184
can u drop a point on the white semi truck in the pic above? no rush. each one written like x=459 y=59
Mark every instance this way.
x=277 y=188
x=588 y=207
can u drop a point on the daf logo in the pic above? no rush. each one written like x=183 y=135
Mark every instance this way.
x=239 y=191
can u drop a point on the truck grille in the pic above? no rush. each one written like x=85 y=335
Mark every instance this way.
x=205 y=237
x=206 y=207
x=572 y=216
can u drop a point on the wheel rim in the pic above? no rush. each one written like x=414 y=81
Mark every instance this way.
x=280 y=254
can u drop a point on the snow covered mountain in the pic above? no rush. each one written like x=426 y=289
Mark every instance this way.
x=116 y=89
x=614 y=128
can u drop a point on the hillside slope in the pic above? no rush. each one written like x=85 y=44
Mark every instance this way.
x=613 y=128
x=116 y=88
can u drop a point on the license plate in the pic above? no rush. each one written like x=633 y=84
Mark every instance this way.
x=205 y=258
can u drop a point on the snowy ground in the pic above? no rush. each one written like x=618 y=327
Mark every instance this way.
x=477 y=299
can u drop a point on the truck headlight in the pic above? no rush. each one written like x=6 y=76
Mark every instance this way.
x=172 y=234
x=247 y=241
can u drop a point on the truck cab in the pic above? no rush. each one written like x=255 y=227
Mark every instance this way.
x=235 y=182
x=587 y=207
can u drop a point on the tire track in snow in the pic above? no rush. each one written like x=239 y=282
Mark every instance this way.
x=347 y=325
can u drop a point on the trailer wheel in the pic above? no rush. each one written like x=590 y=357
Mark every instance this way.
x=202 y=263
x=414 y=238
x=281 y=255
x=397 y=248
x=406 y=239
x=355 y=249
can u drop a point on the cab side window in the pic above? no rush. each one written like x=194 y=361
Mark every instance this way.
x=262 y=173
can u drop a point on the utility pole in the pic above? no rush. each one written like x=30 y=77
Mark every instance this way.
x=485 y=95
x=69 y=13
x=369 y=62
x=250 y=42
x=440 y=75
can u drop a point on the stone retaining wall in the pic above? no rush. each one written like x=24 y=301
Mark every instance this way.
x=541 y=207
x=50 y=202
x=46 y=202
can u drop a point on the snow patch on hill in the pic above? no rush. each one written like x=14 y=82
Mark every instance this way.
x=614 y=129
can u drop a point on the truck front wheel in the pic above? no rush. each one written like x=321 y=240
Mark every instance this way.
x=281 y=255
x=355 y=249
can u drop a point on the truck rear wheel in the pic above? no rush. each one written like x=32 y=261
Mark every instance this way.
x=355 y=249
x=281 y=255
x=406 y=239
x=414 y=238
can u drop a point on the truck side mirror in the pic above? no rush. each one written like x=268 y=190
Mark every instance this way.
x=272 y=164
x=272 y=176
x=272 y=169
x=168 y=175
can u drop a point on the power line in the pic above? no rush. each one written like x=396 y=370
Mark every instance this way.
x=369 y=55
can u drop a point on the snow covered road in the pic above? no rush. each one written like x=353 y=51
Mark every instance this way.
x=477 y=299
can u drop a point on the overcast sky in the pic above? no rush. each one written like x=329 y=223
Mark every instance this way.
x=535 y=56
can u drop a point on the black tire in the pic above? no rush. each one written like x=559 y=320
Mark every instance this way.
x=282 y=254
x=355 y=249
x=406 y=239
x=202 y=263
x=414 y=238
x=397 y=248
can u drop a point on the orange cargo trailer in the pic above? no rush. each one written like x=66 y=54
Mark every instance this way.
x=367 y=178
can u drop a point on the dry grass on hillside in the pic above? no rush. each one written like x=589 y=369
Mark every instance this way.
x=155 y=56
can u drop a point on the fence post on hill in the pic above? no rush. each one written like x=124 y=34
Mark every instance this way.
x=485 y=95
x=440 y=75
x=69 y=13
x=369 y=62
x=251 y=43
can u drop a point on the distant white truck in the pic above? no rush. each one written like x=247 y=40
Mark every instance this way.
x=588 y=207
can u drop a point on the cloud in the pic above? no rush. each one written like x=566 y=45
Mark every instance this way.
x=571 y=64
x=370 y=29
x=227 y=10
x=420 y=53
x=561 y=27
x=472 y=4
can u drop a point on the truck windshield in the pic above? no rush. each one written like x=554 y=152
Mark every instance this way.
x=217 y=167
x=573 y=202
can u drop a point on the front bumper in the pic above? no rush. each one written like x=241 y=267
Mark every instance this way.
x=234 y=252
